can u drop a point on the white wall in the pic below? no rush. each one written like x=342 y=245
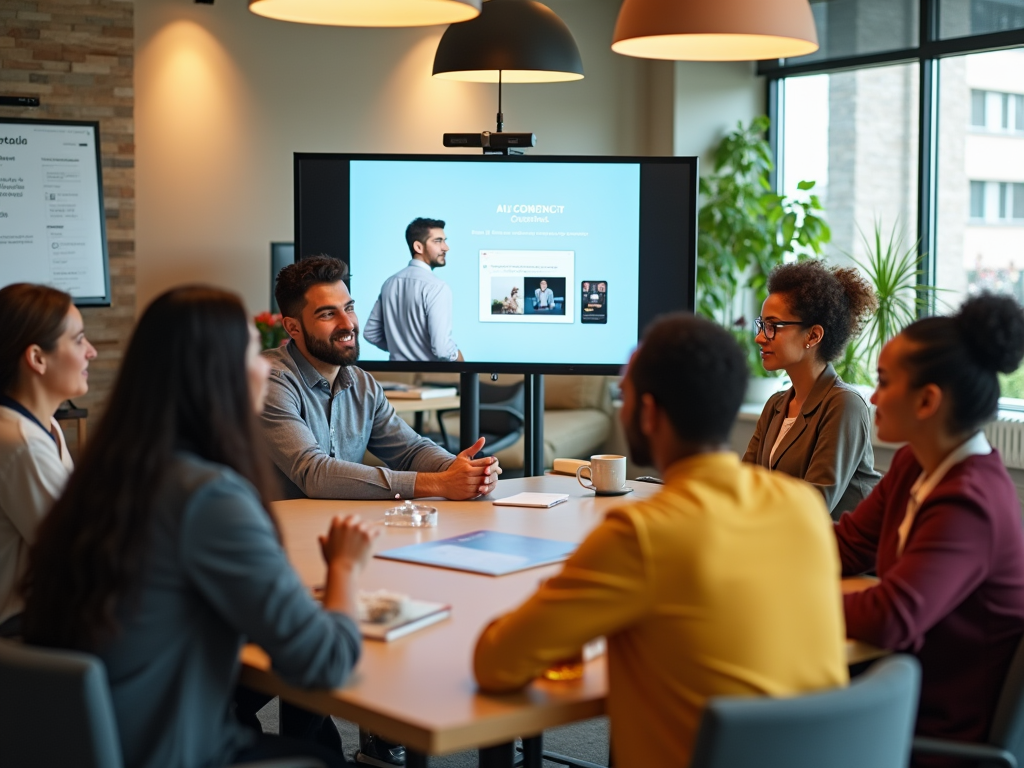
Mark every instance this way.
x=223 y=99
x=710 y=98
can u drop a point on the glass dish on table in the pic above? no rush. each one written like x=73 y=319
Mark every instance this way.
x=409 y=515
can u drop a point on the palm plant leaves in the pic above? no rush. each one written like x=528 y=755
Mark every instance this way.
x=894 y=269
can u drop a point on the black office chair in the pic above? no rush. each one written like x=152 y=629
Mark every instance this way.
x=501 y=418
x=1005 y=746
x=43 y=686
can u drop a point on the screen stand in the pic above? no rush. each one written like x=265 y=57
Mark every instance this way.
x=533 y=431
x=469 y=409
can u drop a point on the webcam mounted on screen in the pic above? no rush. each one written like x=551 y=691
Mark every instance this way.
x=498 y=143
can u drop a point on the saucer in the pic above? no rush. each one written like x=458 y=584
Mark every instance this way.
x=621 y=492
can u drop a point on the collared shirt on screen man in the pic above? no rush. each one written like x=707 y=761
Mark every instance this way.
x=412 y=319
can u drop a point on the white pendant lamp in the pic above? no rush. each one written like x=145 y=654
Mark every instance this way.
x=715 y=30
x=368 y=13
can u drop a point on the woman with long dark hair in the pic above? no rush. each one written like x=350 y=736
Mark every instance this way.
x=819 y=429
x=44 y=360
x=162 y=556
x=942 y=528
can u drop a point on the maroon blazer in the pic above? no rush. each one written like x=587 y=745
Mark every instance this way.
x=954 y=598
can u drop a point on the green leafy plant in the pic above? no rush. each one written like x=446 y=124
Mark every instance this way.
x=894 y=269
x=745 y=229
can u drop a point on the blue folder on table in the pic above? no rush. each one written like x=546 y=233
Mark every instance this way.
x=487 y=552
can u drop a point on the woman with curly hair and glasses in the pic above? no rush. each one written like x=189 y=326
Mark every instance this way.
x=819 y=429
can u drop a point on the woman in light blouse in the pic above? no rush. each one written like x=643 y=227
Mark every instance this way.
x=819 y=429
x=44 y=360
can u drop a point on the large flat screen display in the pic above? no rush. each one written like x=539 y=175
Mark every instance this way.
x=52 y=227
x=540 y=264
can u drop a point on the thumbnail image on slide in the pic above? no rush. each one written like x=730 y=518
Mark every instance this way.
x=527 y=286
x=507 y=295
x=594 y=301
x=545 y=295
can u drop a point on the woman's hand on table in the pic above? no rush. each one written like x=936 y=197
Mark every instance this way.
x=348 y=542
x=346 y=548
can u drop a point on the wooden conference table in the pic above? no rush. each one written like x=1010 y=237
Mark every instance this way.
x=419 y=690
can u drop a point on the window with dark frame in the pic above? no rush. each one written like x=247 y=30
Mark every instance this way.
x=922 y=105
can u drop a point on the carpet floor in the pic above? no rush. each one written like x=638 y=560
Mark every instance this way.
x=586 y=740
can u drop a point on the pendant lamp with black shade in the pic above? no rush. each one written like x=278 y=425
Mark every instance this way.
x=511 y=41
x=368 y=13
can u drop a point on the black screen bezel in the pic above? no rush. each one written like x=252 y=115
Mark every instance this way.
x=667 y=248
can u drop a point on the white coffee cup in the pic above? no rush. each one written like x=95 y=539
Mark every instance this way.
x=606 y=473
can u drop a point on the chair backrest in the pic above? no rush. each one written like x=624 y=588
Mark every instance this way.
x=502 y=405
x=55 y=709
x=867 y=725
x=1008 y=722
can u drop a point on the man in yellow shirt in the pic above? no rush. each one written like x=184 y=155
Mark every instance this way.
x=725 y=583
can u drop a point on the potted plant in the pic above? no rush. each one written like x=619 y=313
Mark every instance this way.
x=745 y=229
x=893 y=268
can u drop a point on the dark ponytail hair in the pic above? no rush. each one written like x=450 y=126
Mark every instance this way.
x=962 y=355
x=29 y=314
x=836 y=298
x=183 y=384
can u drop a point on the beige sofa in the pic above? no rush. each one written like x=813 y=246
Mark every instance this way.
x=577 y=414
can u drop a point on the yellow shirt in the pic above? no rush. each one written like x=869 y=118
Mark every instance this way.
x=725 y=583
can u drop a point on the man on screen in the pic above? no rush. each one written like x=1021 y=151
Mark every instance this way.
x=412 y=319
x=545 y=297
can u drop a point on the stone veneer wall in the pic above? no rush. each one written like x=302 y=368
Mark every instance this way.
x=77 y=56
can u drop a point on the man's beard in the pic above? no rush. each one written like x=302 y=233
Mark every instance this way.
x=326 y=352
x=639 y=446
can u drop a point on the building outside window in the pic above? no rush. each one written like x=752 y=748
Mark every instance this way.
x=924 y=135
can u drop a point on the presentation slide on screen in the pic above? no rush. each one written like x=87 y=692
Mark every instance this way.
x=535 y=249
x=50 y=211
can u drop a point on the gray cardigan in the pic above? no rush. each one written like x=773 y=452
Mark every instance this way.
x=828 y=446
x=215 y=576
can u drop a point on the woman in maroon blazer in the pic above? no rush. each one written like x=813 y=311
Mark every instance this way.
x=943 y=527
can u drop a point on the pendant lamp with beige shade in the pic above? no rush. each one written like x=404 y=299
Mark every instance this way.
x=368 y=13
x=715 y=30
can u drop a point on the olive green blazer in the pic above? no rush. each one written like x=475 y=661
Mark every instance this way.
x=828 y=446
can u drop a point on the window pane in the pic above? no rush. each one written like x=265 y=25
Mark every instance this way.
x=974 y=252
x=856 y=27
x=855 y=135
x=1018 y=112
x=978 y=108
x=977 y=199
x=960 y=18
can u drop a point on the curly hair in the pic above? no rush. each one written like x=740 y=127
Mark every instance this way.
x=962 y=355
x=836 y=298
x=295 y=279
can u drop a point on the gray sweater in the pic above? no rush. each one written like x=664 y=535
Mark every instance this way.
x=215 y=576
x=318 y=434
